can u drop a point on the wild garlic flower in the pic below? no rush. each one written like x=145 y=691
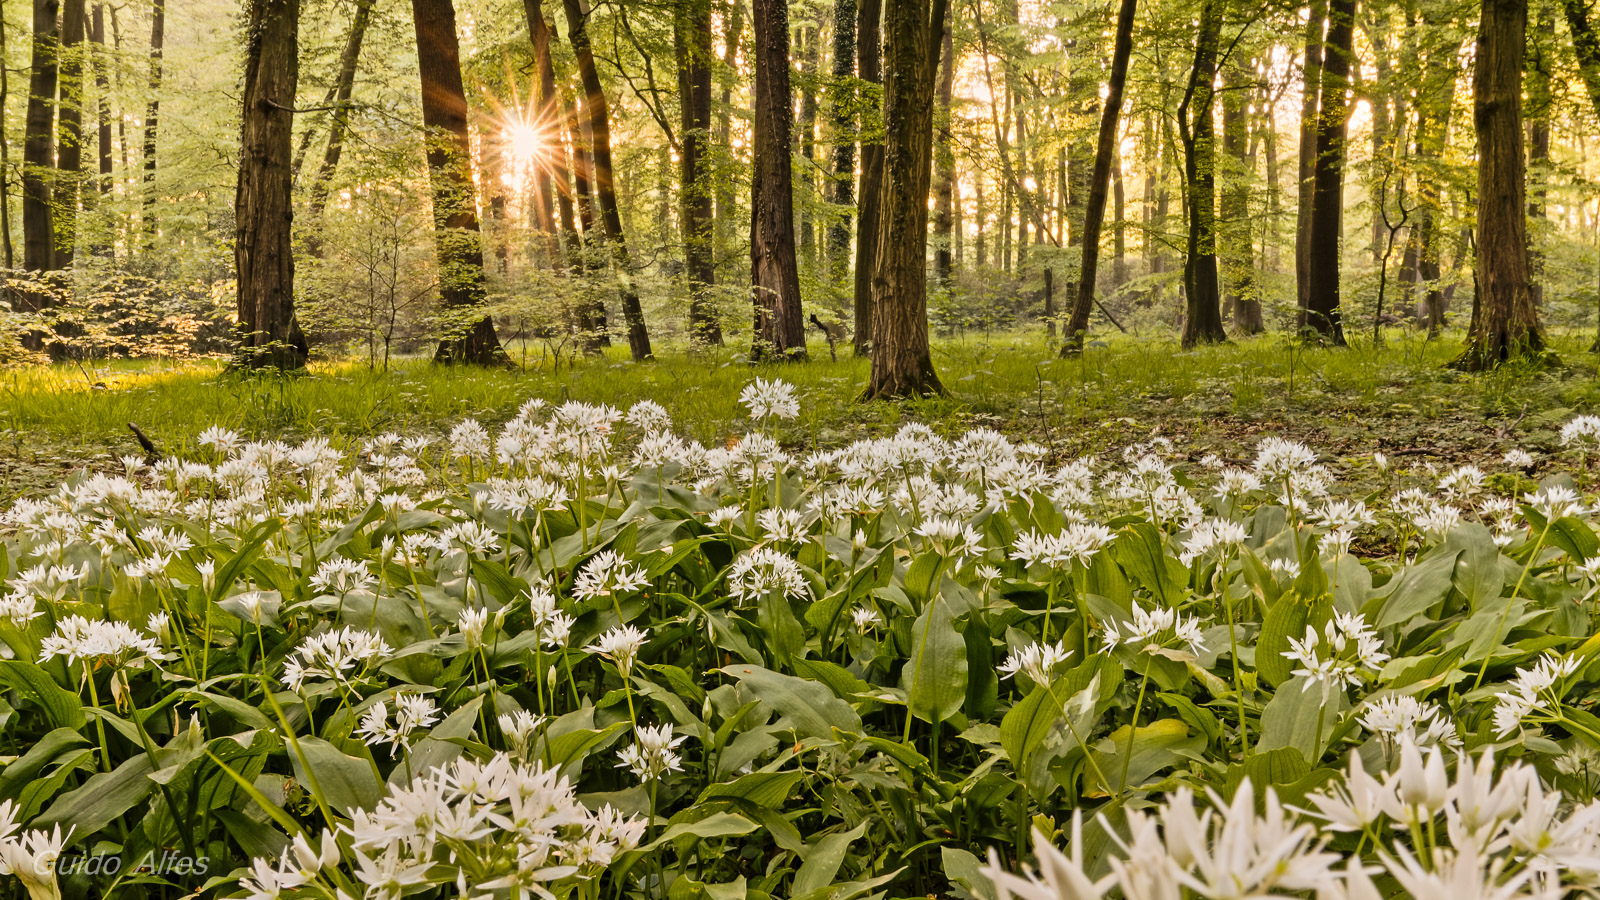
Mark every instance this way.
x=337 y=575
x=1346 y=649
x=1555 y=502
x=1462 y=482
x=1278 y=459
x=19 y=608
x=620 y=645
x=762 y=571
x=469 y=440
x=412 y=711
x=651 y=756
x=1212 y=536
x=1037 y=661
x=98 y=641
x=472 y=623
x=1582 y=432
x=1078 y=542
x=955 y=540
x=31 y=858
x=865 y=619
x=471 y=536
x=340 y=656
x=775 y=399
x=1532 y=694
x=1397 y=718
x=219 y=439
x=1518 y=458
x=648 y=416
x=787 y=525
x=1160 y=630
x=1343 y=514
x=607 y=574
x=519 y=729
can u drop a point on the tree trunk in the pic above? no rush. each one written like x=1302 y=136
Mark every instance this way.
x=1322 y=312
x=38 y=148
x=591 y=312
x=263 y=251
x=780 y=330
x=979 y=244
x=844 y=146
x=1310 y=102
x=556 y=174
x=1119 y=226
x=597 y=125
x=5 y=155
x=1537 y=108
x=727 y=203
x=810 y=58
x=1203 y=319
x=158 y=27
x=339 y=125
x=457 y=241
x=1505 y=324
x=869 y=49
x=1238 y=250
x=692 y=43
x=1095 y=208
x=945 y=182
x=69 y=147
x=102 y=80
x=902 y=364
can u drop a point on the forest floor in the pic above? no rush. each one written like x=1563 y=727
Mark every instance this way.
x=1402 y=400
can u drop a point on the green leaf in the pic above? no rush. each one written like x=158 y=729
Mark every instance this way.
x=1478 y=574
x=765 y=789
x=345 y=782
x=1160 y=745
x=1290 y=718
x=823 y=859
x=62 y=707
x=716 y=825
x=101 y=799
x=965 y=869
x=1417 y=588
x=28 y=766
x=1285 y=619
x=810 y=708
x=935 y=676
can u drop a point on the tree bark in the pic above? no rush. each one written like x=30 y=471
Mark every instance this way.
x=1238 y=250
x=1203 y=320
x=263 y=203
x=102 y=80
x=810 y=58
x=458 y=244
x=69 y=147
x=902 y=364
x=1505 y=323
x=774 y=272
x=1537 y=109
x=844 y=146
x=692 y=43
x=945 y=180
x=158 y=29
x=597 y=124
x=1310 y=103
x=38 y=148
x=1322 y=313
x=869 y=50
x=339 y=125
x=5 y=155
x=555 y=201
x=727 y=203
x=1094 y=211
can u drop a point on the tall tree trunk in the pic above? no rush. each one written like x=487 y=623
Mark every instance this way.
x=945 y=179
x=1238 y=250
x=158 y=31
x=339 y=125
x=263 y=251
x=1203 y=320
x=780 y=331
x=457 y=241
x=902 y=364
x=1310 y=103
x=1537 y=109
x=869 y=50
x=1322 y=312
x=1505 y=324
x=980 y=247
x=38 y=148
x=69 y=147
x=1094 y=211
x=102 y=79
x=692 y=42
x=597 y=124
x=1435 y=103
x=810 y=58
x=1119 y=227
x=565 y=242
x=727 y=203
x=844 y=146
x=5 y=154
x=591 y=312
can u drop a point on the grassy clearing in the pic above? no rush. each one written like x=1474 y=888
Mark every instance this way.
x=1219 y=399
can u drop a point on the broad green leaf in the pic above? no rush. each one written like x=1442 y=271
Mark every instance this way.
x=809 y=707
x=62 y=707
x=1160 y=745
x=345 y=782
x=823 y=858
x=101 y=799
x=1415 y=589
x=935 y=676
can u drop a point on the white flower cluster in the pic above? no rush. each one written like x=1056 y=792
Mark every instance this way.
x=340 y=656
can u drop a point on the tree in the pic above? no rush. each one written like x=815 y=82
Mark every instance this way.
x=945 y=158
x=597 y=134
x=869 y=52
x=844 y=147
x=1310 y=98
x=457 y=242
x=339 y=124
x=263 y=202
x=158 y=37
x=102 y=81
x=69 y=148
x=780 y=330
x=902 y=365
x=1321 y=312
x=1202 y=322
x=38 y=147
x=1505 y=322
x=692 y=43
x=1094 y=212
x=1236 y=247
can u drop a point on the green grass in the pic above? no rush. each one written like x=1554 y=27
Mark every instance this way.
x=1220 y=399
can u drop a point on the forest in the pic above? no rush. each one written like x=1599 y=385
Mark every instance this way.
x=821 y=450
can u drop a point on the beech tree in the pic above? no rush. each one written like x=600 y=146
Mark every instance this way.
x=263 y=249
x=692 y=44
x=1321 y=311
x=780 y=329
x=1202 y=322
x=902 y=364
